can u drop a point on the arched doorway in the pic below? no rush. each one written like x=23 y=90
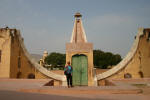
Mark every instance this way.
x=80 y=70
x=31 y=76
x=19 y=75
x=127 y=75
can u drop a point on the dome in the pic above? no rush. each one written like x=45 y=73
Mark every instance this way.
x=45 y=52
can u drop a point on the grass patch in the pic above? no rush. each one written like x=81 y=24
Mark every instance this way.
x=140 y=85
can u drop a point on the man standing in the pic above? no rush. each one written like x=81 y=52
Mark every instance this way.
x=68 y=72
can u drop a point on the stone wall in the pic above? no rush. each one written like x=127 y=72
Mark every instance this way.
x=16 y=62
x=99 y=71
x=139 y=66
x=5 y=49
x=136 y=63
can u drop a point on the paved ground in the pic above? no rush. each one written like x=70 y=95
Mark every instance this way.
x=12 y=95
x=12 y=89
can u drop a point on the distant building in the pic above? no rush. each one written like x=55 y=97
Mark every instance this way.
x=42 y=60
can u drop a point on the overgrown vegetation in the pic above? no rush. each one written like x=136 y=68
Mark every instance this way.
x=140 y=85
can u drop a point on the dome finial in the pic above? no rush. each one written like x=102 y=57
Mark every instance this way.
x=77 y=15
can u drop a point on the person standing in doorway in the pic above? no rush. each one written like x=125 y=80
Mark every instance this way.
x=68 y=72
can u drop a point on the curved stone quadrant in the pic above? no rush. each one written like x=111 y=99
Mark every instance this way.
x=124 y=66
x=135 y=62
x=16 y=62
x=37 y=66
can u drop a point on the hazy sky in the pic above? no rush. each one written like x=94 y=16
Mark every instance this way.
x=47 y=24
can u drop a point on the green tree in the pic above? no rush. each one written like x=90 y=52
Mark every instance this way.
x=101 y=59
x=56 y=59
x=104 y=59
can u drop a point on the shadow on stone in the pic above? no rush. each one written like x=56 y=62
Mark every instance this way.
x=50 y=83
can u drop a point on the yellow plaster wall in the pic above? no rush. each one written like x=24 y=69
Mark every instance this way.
x=144 y=48
x=5 y=42
x=12 y=49
x=39 y=75
x=26 y=67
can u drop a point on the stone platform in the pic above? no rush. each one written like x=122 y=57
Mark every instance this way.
x=37 y=85
x=121 y=87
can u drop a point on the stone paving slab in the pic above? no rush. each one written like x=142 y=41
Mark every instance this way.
x=37 y=86
x=81 y=91
x=122 y=90
x=15 y=84
x=13 y=95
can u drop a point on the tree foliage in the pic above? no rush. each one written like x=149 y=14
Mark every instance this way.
x=56 y=59
x=104 y=59
x=101 y=59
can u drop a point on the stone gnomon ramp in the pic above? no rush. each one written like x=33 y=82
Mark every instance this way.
x=36 y=65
